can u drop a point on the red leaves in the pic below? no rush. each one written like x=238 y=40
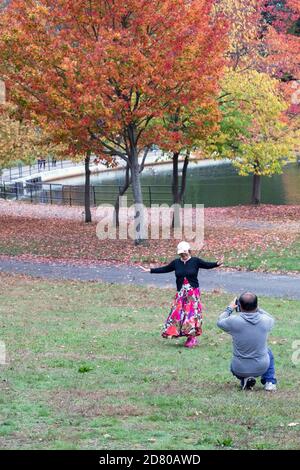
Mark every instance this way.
x=93 y=66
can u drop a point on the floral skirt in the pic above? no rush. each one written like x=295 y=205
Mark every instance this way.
x=185 y=318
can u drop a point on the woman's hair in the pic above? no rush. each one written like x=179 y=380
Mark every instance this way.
x=190 y=253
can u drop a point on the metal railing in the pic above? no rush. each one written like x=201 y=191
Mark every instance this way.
x=22 y=171
x=38 y=192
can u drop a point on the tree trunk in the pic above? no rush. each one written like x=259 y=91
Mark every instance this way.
x=138 y=201
x=175 y=178
x=122 y=191
x=178 y=192
x=87 y=189
x=127 y=184
x=139 y=216
x=175 y=191
x=256 y=190
x=184 y=174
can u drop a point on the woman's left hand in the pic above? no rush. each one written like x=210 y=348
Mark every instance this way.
x=146 y=270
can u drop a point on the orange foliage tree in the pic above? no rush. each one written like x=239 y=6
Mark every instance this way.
x=104 y=74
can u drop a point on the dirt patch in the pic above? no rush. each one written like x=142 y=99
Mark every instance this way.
x=91 y=404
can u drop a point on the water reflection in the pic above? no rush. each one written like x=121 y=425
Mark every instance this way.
x=213 y=185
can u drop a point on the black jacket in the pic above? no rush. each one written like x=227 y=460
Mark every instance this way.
x=189 y=269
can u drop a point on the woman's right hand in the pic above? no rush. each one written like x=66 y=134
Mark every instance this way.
x=146 y=270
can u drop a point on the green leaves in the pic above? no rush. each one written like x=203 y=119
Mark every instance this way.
x=253 y=133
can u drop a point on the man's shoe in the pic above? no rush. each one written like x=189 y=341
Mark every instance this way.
x=270 y=387
x=248 y=383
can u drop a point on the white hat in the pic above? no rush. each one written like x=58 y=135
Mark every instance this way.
x=183 y=247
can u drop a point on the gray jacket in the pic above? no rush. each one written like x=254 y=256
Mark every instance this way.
x=249 y=333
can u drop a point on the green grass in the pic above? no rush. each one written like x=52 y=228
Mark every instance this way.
x=11 y=250
x=87 y=369
x=15 y=249
x=285 y=259
x=273 y=259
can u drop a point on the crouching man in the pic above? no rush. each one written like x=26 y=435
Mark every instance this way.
x=249 y=330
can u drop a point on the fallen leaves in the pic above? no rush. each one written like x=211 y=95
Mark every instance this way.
x=57 y=234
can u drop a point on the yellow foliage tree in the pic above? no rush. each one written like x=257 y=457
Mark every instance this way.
x=254 y=134
x=16 y=139
x=21 y=140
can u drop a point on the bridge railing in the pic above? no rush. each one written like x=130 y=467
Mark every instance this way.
x=23 y=171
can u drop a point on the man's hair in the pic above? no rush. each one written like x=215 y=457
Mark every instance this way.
x=248 y=301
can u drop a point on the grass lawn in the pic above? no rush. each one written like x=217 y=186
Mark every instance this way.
x=87 y=369
x=282 y=259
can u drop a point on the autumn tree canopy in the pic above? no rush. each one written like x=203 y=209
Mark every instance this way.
x=262 y=35
x=105 y=73
x=254 y=132
x=22 y=140
x=259 y=99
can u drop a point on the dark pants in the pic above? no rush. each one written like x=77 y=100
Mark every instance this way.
x=268 y=376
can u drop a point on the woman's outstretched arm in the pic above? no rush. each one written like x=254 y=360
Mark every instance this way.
x=208 y=264
x=163 y=269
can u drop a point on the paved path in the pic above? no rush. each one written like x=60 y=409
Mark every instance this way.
x=271 y=285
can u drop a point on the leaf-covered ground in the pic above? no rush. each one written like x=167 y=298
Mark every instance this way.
x=256 y=238
x=87 y=369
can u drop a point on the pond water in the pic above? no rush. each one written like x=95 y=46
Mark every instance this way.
x=213 y=185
